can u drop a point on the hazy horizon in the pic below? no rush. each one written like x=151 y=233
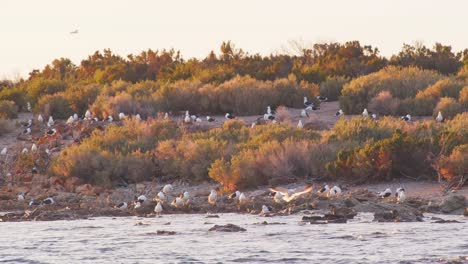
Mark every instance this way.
x=35 y=33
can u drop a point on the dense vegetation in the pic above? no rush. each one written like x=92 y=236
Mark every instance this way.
x=418 y=81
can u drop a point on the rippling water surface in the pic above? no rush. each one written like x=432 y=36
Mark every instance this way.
x=284 y=240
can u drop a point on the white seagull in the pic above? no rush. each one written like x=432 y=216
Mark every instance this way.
x=229 y=116
x=299 y=124
x=365 y=113
x=439 y=117
x=158 y=208
x=40 y=119
x=212 y=197
x=167 y=189
x=122 y=206
x=48 y=200
x=385 y=193
x=33 y=148
x=325 y=189
x=335 y=191
x=265 y=210
x=4 y=151
x=339 y=113
x=286 y=195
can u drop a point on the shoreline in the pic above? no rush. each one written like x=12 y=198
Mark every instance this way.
x=355 y=199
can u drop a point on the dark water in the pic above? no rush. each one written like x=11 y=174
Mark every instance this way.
x=133 y=240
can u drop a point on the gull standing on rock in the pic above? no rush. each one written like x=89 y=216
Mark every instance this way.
x=158 y=209
x=335 y=191
x=186 y=197
x=212 y=197
x=265 y=210
x=122 y=206
x=167 y=189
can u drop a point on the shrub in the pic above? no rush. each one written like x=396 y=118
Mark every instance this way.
x=448 y=106
x=189 y=160
x=82 y=97
x=39 y=87
x=5 y=127
x=463 y=97
x=15 y=94
x=384 y=104
x=455 y=166
x=282 y=114
x=56 y=105
x=332 y=86
x=8 y=109
x=400 y=82
x=453 y=133
x=419 y=106
x=443 y=88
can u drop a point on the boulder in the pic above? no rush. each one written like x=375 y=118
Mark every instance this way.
x=227 y=228
x=452 y=203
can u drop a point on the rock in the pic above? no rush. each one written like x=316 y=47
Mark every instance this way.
x=397 y=216
x=326 y=219
x=343 y=212
x=212 y=216
x=452 y=203
x=227 y=228
x=162 y=233
x=465 y=213
x=442 y=221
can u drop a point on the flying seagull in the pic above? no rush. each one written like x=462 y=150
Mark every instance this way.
x=289 y=195
x=74 y=31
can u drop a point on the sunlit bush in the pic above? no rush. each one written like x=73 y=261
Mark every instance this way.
x=449 y=107
x=455 y=166
x=400 y=82
x=463 y=97
x=444 y=88
x=40 y=87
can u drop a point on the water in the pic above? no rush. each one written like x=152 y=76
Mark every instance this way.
x=122 y=240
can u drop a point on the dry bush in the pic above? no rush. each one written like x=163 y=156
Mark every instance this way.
x=384 y=104
x=454 y=167
x=5 y=126
x=55 y=105
x=282 y=114
x=443 y=88
x=449 y=108
x=82 y=97
x=332 y=86
x=15 y=94
x=400 y=82
x=8 y=109
x=313 y=122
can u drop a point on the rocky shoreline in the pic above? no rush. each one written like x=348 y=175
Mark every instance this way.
x=324 y=210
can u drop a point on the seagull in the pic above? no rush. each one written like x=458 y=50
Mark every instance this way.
x=24 y=151
x=269 y=112
x=28 y=106
x=21 y=196
x=138 y=117
x=265 y=210
x=242 y=199
x=50 y=122
x=122 y=206
x=212 y=197
x=161 y=197
x=299 y=124
x=385 y=193
x=166 y=115
x=4 y=151
x=167 y=189
x=47 y=151
x=158 y=208
x=186 y=197
x=40 y=119
x=286 y=195
x=33 y=148
x=325 y=189
x=187 y=118
x=48 y=200
x=198 y=120
x=27 y=131
x=406 y=117
x=137 y=205
x=34 y=202
x=373 y=116
x=229 y=116
x=70 y=120
x=253 y=125
x=34 y=170
x=51 y=132
x=178 y=202
x=335 y=191
x=304 y=113
x=365 y=113
x=401 y=195
x=110 y=118
x=322 y=98
x=339 y=113
x=141 y=199
x=439 y=117
x=88 y=114
x=121 y=116
x=74 y=31
x=234 y=195
x=75 y=117
x=307 y=103
x=210 y=119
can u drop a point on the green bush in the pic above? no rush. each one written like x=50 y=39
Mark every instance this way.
x=8 y=109
x=419 y=106
x=55 y=105
x=39 y=87
x=15 y=94
x=332 y=86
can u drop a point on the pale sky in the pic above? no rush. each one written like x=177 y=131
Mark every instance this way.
x=34 y=32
